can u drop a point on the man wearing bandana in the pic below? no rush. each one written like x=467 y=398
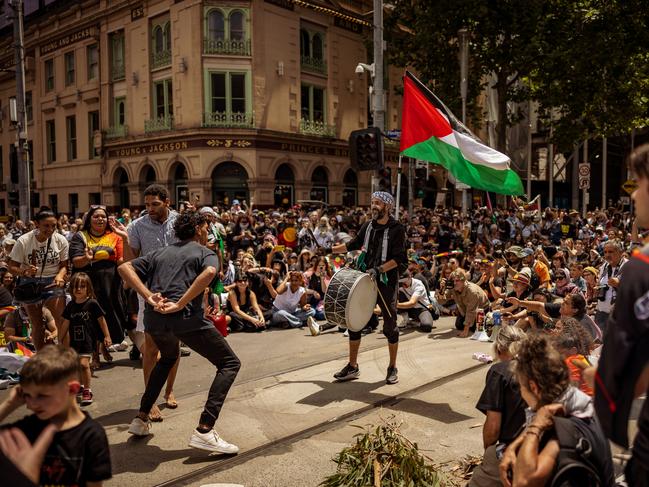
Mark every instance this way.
x=383 y=244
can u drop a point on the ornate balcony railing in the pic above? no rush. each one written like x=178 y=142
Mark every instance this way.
x=315 y=65
x=312 y=127
x=158 y=124
x=227 y=46
x=161 y=59
x=117 y=70
x=228 y=120
x=116 y=131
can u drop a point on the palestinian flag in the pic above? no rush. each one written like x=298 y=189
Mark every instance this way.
x=430 y=132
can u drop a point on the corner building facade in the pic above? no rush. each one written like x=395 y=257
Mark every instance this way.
x=217 y=100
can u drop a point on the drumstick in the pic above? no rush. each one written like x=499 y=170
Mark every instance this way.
x=384 y=303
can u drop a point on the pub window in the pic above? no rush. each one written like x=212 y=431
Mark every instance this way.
x=215 y=25
x=71 y=136
x=93 y=126
x=49 y=75
x=312 y=44
x=93 y=62
x=228 y=93
x=69 y=68
x=117 y=55
x=119 y=113
x=163 y=99
x=313 y=103
x=226 y=24
x=29 y=109
x=50 y=138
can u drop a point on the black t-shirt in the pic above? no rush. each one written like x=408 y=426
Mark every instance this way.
x=502 y=394
x=6 y=299
x=84 y=327
x=76 y=456
x=170 y=271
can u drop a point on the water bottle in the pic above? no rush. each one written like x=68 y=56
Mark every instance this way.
x=498 y=319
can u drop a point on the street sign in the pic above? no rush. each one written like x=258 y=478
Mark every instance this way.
x=584 y=183
x=393 y=134
x=584 y=170
x=629 y=186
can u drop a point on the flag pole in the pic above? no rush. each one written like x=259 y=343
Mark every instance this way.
x=396 y=207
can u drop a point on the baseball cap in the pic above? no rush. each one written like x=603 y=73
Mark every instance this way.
x=516 y=250
x=526 y=252
x=235 y=202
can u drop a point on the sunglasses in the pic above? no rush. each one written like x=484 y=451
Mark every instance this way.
x=242 y=280
x=97 y=207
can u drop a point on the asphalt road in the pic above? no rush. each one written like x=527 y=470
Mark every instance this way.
x=284 y=399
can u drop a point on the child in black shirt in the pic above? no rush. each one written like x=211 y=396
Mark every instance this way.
x=84 y=319
x=49 y=383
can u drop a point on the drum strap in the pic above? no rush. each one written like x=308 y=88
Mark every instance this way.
x=384 y=247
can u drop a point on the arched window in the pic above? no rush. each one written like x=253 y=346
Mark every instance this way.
x=320 y=188
x=167 y=36
x=285 y=186
x=216 y=25
x=318 y=48
x=121 y=112
x=305 y=43
x=158 y=39
x=350 y=189
x=229 y=182
x=236 y=26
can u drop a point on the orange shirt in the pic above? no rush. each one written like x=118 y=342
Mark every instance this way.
x=542 y=271
x=576 y=373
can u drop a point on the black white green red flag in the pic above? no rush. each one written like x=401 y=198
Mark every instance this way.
x=430 y=132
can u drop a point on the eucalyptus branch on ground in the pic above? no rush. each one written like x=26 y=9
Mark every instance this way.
x=383 y=457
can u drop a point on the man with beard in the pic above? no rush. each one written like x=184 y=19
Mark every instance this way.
x=383 y=240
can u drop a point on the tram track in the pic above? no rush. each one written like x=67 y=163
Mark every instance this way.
x=226 y=463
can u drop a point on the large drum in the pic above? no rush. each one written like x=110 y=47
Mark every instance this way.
x=350 y=299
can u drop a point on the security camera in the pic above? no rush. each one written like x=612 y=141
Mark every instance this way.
x=359 y=69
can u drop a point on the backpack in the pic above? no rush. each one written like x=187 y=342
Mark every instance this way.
x=575 y=465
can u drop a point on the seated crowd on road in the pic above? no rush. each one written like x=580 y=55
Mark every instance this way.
x=539 y=284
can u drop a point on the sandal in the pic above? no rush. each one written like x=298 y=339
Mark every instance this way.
x=170 y=401
x=155 y=415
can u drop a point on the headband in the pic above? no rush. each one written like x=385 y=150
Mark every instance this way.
x=384 y=196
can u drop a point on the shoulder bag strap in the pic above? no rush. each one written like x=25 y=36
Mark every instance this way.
x=47 y=249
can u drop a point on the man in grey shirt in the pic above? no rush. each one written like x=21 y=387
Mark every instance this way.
x=150 y=232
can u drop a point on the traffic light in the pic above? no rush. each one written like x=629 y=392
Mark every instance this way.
x=366 y=149
x=13 y=199
x=385 y=179
x=420 y=182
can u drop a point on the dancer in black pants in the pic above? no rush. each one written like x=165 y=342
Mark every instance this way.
x=176 y=277
x=383 y=244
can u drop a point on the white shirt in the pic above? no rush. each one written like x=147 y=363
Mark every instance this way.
x=605 y=306
x=27 y=244
x=418 y=289
x=288 y=300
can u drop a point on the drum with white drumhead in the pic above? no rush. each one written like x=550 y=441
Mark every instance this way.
x=350 y=299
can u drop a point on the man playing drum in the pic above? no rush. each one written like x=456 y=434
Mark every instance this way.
x=383 y=244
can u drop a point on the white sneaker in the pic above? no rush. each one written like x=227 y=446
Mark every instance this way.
x=118 y=347
x=139 y=427
x=314 y=327
x=211 y=441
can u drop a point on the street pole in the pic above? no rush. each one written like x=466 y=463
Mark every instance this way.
x=585 y=193
x=411 y=180
x=551 y=172
x=529 y=150
x=604 y=164
x=378 y=111
x=21 y=122
x=463 y=38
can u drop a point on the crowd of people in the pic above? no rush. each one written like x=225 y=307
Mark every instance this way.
x=542 y=285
